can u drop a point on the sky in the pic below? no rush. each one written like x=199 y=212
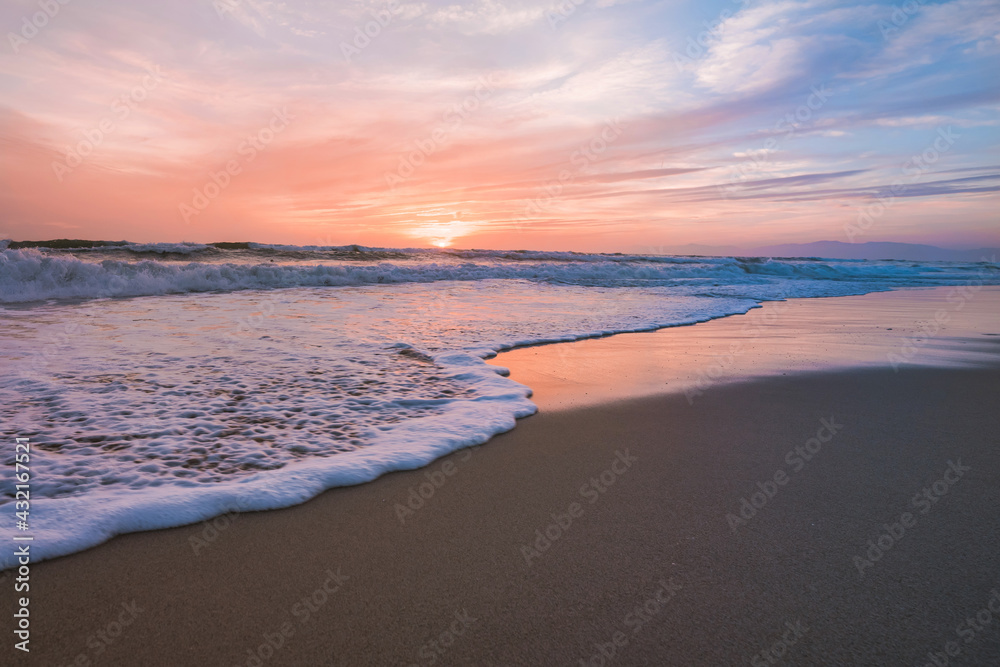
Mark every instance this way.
x=588 y=125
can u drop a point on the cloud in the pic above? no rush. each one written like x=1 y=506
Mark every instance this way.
x=767 y=45
x=931 y=32
x=490 y=17
x=551 y=92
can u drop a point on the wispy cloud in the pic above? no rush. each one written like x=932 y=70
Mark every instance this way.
x=409 y=95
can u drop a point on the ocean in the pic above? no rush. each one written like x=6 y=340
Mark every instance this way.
x=164 y=384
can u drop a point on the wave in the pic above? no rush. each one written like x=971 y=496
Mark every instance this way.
x=159 y=412
x=30 y=275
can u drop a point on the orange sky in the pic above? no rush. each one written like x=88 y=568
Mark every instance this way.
x=491 y=124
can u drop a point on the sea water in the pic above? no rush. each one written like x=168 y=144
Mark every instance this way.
x=164 y=384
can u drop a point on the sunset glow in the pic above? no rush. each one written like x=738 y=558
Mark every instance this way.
x=606 y=126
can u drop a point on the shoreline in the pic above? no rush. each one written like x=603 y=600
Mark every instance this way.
x=809 y=334
x=539 y=546
x=590 y=371
x=631 y=503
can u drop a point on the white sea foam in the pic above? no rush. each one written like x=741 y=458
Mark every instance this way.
x=163 y=410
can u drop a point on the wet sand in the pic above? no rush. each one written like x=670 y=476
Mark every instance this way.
x=783 y=514
x=944 y=326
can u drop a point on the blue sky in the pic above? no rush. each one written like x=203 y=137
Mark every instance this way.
x=604 y=125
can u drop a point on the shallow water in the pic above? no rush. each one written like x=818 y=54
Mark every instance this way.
x=160 y=410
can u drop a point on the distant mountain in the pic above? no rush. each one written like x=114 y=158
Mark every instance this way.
x=841 y=250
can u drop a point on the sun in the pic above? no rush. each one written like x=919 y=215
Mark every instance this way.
x=443 y=233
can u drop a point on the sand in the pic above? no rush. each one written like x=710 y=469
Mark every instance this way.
x=597 y=528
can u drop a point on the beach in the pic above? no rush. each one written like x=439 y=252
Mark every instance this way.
x=496 y=333
x=836 y=515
